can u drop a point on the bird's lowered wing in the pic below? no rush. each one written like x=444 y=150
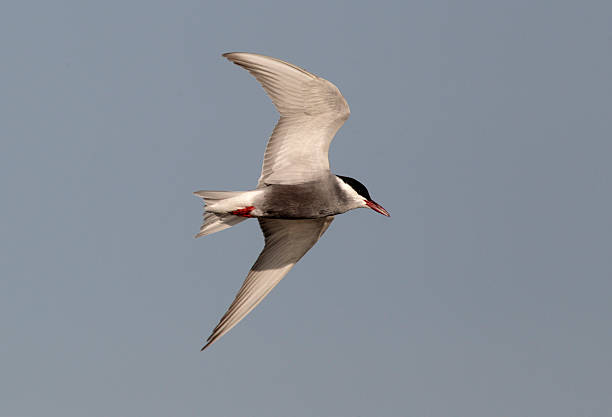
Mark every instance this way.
x=312 y=110
x=286 y=242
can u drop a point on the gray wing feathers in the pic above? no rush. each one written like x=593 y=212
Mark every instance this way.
x=312 y=110
x=285 y=83
x=286 y=241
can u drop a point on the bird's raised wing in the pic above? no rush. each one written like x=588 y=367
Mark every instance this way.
x=286 y=242
x=312 y=110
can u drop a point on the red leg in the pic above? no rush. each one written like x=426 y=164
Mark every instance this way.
x=244 y=212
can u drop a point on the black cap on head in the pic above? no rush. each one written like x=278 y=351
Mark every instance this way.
x=357 y=186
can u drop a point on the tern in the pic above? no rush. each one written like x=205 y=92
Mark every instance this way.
x=297 y=196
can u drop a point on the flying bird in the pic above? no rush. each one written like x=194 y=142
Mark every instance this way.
x=297 y=196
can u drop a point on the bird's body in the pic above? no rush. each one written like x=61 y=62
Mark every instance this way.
x=297 y=196
x=310 y=200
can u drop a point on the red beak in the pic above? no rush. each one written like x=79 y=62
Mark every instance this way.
x=377 y=207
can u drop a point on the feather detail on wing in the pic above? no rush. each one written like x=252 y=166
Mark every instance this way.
x=312 y=110
x=286 y=242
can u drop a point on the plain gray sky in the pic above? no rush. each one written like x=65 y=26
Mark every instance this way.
x=484 y=127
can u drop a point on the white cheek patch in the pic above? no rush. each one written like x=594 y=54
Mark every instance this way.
x=351 y=193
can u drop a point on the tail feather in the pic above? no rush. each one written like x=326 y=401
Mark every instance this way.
x=212 y=196
x=215 y=222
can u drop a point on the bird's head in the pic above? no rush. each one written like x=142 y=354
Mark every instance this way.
x=360 y=195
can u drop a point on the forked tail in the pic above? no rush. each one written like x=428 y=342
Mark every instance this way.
x=215 y=222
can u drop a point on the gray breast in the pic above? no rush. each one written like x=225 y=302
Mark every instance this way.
x=310 y=200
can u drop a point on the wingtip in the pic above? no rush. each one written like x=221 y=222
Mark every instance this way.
x=228 y=55
x=234 y=56
x=210 y=342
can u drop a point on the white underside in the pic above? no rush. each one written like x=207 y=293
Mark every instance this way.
x=246 y=199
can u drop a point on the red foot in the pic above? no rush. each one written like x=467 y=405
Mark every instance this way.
x=244 y=212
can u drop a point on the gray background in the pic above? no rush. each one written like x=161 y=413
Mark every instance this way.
x=483 y=127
